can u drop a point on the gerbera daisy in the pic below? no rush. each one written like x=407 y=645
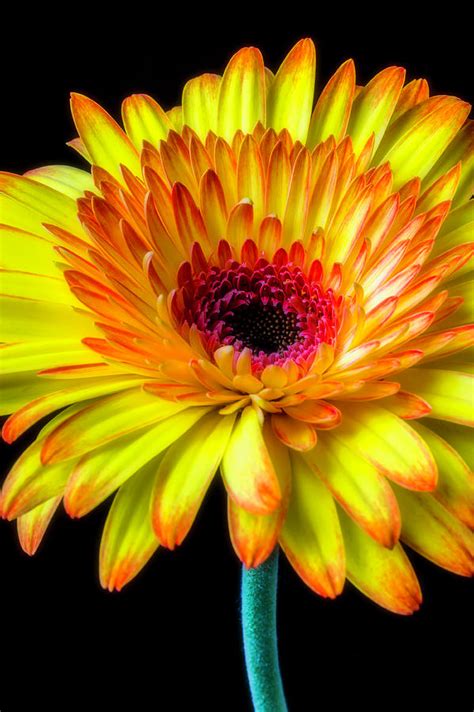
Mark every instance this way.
x=252 y=285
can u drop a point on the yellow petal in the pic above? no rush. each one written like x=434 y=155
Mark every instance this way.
x=128 y=540
x=242 y=93
x=449 y=393
x=290 y=98
x=358 y=487
x=247 y=468
x=384 y=575
x=200 y=103
x=333 y=108
x=311 y=536
x=184 y=476
x=144 y=120
x=106 y=143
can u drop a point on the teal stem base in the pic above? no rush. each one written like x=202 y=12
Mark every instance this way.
x=259 y=589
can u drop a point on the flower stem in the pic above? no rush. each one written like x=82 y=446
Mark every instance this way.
x=259 y=587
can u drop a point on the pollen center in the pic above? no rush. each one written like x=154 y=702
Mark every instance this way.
x=266 y=329
x=274 y=309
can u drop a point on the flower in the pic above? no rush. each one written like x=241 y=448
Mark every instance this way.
x=249 y=284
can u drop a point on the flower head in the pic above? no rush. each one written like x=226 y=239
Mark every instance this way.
x=251 y=284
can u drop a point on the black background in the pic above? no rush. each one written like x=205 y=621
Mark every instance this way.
x=171 y=639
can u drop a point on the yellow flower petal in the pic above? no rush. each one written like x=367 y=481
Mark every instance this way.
x=247 y=468
x=384 y=575
x=449 y=393
x=290 y=98
x=242 y=93
x=311 y=536
x=106 y=143
x=128 y=540
x=357 y=486
x=200 y=103
x=184 y=476
x=432 y=531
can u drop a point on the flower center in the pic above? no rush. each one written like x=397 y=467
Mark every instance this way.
x=275 y=310
x=264 y=328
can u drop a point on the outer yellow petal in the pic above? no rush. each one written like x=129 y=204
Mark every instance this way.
x=386 y=576
x=25 y=285
x=184 y=476
x=59 y=394
x=290 y=98
x=390 y=444
x=38 y=355
x=458 y=436
x=449 y=393
x=374 y=106
x=435 y=533
x=26 y=252
x=455 y=488
x=105 y=420
x=247 y=468
x=332 y=111
x=128 y=540
x=254 y=536
x=200 y=103
x=65 y=179
x=32 y=525
x=101 y=471
x=106 y=143
x=358 y=487
x=311 y=536
x=144 y=120
x=242 y=93
x=420 y=136
x=49 y=204
x=29 y=483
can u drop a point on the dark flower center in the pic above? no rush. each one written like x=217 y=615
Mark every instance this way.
x=274 y=309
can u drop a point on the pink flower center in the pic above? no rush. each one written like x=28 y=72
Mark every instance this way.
x=275 y=310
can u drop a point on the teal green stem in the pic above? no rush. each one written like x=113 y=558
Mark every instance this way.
x=259 y=589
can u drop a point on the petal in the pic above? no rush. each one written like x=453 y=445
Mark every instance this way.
x=32 y=525
x=247 y=468
x=26 y=252
x=458 y=436
x=333 y=108
x=34 y=319
x=29 y=483
x=184 y=476
x=106 y=143
x=50 y=205
x=455 y=488
x=68 y=180
x=384 y=575
x=390 y=444
x=290 y=98
x=39 y=355
x=374 y=106
x=449 y=393
x=357 y=486
x=311 y=535
x=105 y=420
x=144 y=120
x=432 y=531
x=242 y=93
x=294 y=433
x=200 y=104
x=420 y=136
x=24 y=285
x=101 y=471
x=58 y=397
x=254 y=536
x=128 y=540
